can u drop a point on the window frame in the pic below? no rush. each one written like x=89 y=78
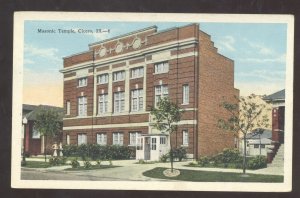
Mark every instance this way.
x=68 y=139
x=136 y=134
x=106 y=79
x=103 y=102
x=163 y=92
x=185 y=137
x=115 y=75
x=103 y=138
x=153 y=144
x=164 y=67
x=68 y=107
x=119 y=102
x=81 y=135
x=82 y=105
x=139 y=97
x=120 y=136
x=185 y=94
x=82 y=82
x=140 y=72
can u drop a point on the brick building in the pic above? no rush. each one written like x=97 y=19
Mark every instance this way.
x=109 y=89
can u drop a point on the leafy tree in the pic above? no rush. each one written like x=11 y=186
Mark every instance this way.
x=166 y=115
x=244 y=116
x=48 y=123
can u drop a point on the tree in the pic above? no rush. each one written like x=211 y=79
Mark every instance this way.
x=166 y=115
x=244 y=116
x=48 y=123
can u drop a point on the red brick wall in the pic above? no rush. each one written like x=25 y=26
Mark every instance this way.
x=216 y=80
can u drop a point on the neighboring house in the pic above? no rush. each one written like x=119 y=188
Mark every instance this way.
x=110 y=88
x=34 y=142
x=257 y=144
x=278 y=108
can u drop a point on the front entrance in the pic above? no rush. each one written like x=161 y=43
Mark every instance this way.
x=147 y=153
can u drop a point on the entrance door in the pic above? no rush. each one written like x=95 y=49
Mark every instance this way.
x=147 y=149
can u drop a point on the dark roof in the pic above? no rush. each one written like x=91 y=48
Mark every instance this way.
x=27 y=107
x=280 y=95
x=32 y=115
x=266 y=134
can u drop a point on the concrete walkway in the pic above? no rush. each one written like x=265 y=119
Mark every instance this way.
x=130 y=170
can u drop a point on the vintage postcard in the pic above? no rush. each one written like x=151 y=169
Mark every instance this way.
x=136 y=101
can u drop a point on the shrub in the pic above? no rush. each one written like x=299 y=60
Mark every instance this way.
x=257 y=162
x=203 y=161
x=164 y=158
x=87 y=164
x=75 y=163
x=179 y=153
x=56 y=161
x=98 y=162
x=70 y=150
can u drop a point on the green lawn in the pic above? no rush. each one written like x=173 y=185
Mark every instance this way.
x=93 y=167
x=210 y=176
x=36 y=164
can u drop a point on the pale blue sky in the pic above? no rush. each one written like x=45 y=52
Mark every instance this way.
x=258 y=50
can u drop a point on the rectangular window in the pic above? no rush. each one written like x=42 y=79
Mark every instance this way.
x=35 y=134
x=137 y=100
x=81 y=139
x=102 y=103
x=262 y=146
x=162 y=140
x=118 y=138
x=160 y=92
x=185 y=94
x=153 y=143
x=256 y=145
x=119 y=75
x=102 y=79
x=119 y=102
x=137 y=72
x=68 y=107
x=140 y=144
x=101 y=138
x=161 y=67
x=68 y=139
x=133 y=138
x=82 y=82
x=185 y=138
x=82 y=106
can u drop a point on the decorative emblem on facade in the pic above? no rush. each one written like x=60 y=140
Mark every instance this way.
x=136 y=43
x=102 y=52
x=119 y=47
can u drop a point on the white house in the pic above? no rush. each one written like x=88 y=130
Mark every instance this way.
x=257 y=144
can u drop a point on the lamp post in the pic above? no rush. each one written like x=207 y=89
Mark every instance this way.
x=24 y=123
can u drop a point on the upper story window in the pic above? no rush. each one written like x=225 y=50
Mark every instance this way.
x=160 y=92
x=82 y=82
x=119 y=102
x=68 y=107
x=102 y=103
x=162 y=67
x=137 y=100
x=102 y=79
x=82 y=106
x=137 y=72
x=119 y=75
x=185 y=94
x=185 y=138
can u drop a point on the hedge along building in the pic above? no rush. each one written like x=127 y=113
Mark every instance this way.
x=109 y=90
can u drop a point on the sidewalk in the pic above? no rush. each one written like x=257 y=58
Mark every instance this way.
x=128 y=167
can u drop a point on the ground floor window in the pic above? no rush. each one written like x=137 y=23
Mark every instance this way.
x=162 y=140
x=256 y=145
x=118 y=138
x=133 y=138
x=68 y=139
x=185 y=138
x=102 y=138
x=81 y=139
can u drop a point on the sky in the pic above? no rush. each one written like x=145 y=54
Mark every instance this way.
x=258 y=51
